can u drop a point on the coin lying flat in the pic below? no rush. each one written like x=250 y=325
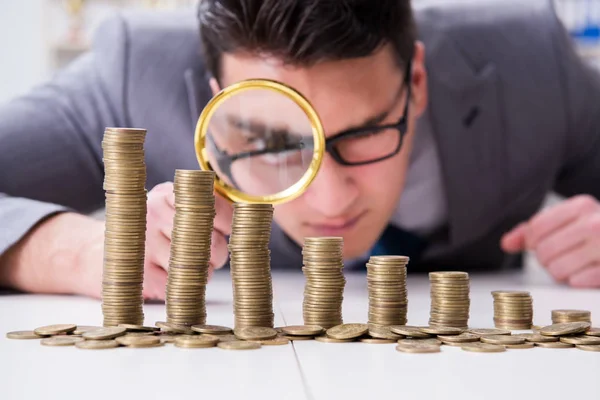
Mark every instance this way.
x=422 y=348
x=212 y=329
x=145 y=345
x=347 y=331
x=278 y=341
x=411 y=331
x=568 y=328
x=104 y=333
x=441 y=330
x=419 y=342
x=588 y=347
x=464 y=337
x=23 y=335
x=196 y=342
x=137 y=340
x=527 y=345
x=97 y=344
x=296 y=337
x=502 y=339
x=303 y=330
x=61 y=341
x=139 y=328
x=169 y=327
x=326 y=339
x=483 y=348
x=555 y=345
x=255 y=333
x=489 y=331
x=537 y=338
x=581 y=339
x=55 y=329
x=593 y=332
x=377 y=341
x=81 y=329
x=383 y=332
x=238 y=345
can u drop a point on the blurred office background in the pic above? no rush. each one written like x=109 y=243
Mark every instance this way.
x=38 y=37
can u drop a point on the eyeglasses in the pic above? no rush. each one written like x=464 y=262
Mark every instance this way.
x=354 y=147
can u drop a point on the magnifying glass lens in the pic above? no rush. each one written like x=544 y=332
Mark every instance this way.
x=259 y=142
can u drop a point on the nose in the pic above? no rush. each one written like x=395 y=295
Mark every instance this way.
x=333 y=191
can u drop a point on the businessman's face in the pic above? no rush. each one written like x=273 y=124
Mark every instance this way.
x=355 y=202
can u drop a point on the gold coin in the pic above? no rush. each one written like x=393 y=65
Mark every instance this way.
x=138 y=328
x=61 y=341
x=537 y=338
x=483 y=348
x=302 y=330
x=593 y=332
x=383 y=332
x=139 y=340
x=169 y=327
x=255 y=333
x=489 y=331
x=97 y=344
x=377 y=341
x=278 y=341
x=441 y=330
x=196 y=342
x=326 y=339
x=502 y=339
x=145 y=345
x=555 y=345
x=527 y=345
x=581 y=339
x=464 y=337
x=212 y=329
x=23 y=335
x=55 y=329
x=81 y=329
x=418 y=348
x=104 y=333
x=239 y=345
x=419 y=342
x=296 y=337
x=412 y=331
x=565 y=328
x=347 y=331
x=588 y=347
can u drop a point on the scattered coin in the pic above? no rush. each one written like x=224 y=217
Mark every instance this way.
x=483 y=348
x=212 y=329
x=97 y=344
x=137 y=340
x=238 y=345
x=410 y=342
x=527 y=345
x=347 y=331
x=568 y=328
x=61 y=341
x=411 y=331
x=169 y=327
x=554 y=345
x=488 y=331
x=588 y=347
x=326 y=339
x=464 y=337
x=383 y=332
x=255 y=333
x=23 y=335
x=278 y=341
x=105 y=333
x=593 y=332
x=502 y=339
x=377 y=341
x=418 y=348
x=537 y=338
x=580 y=339
x=54 y=329
x=441 y=330
x=139 y=328
x=81 y=329
x=196 y=342
x=145 y=345
x=296 y=337
x=303 y=330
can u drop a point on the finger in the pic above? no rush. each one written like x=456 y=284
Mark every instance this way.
x=224 y=217
x=514 y=241
x=586 y=278
x=550 y=219
x=155 y=283
x=161 y=209
x=218 y=250
x=563 y=240
x=158 y=251
x=575 y=260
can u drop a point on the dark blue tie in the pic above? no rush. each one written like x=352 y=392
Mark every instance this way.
x=397 y=241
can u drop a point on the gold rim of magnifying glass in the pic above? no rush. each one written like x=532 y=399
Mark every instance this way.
x=231 y=192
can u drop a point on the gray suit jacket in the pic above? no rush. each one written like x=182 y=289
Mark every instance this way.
x=515 y=114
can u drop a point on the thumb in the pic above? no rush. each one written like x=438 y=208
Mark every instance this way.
x=514 y=241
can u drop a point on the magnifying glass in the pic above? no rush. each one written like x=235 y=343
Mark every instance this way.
x=263 y=139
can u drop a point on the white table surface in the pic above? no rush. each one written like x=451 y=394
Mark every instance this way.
x=304 y=370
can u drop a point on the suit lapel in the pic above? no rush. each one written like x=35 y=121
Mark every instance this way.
x=466 y=115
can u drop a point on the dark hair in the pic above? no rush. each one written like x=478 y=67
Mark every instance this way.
x=304 y=32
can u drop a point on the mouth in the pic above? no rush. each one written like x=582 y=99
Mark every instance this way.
x=338 y=228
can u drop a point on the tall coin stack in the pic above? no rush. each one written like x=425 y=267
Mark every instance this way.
x=386 y=278
x=450 y=300
x=250 y=261
x=190 y=247
x=562 y=316
x=325 y=282
x=125 y=232
x=513 y=310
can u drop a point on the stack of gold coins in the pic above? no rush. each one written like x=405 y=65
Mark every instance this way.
x=563 y=316
x=512 y=309
x=450 y=300
x=325 y=282
x=190 y=247
x=386 y=277
x=125 y=232
x=250 y=261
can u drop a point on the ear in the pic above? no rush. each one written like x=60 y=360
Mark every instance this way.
x=419 y=80
x=214 y=86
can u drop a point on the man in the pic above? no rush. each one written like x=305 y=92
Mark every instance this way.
x=500 y=111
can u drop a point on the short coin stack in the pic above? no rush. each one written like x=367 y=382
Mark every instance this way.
x=325 y=282
x=386 y=277
x=250 y=260
x=562 y=316
x=512 y=309
x=125 y=232
x=190 y=247
x=450 y=301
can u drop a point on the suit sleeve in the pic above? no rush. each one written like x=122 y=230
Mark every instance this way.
x=50 y=139
x=580 y=172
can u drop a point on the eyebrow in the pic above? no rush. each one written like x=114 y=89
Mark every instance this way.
x=259 y=129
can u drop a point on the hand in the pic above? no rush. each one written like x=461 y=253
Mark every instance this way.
x=161 y=211
x=565 y=239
